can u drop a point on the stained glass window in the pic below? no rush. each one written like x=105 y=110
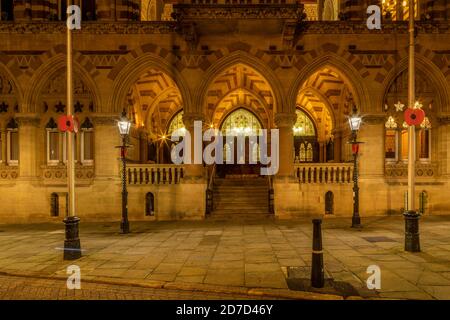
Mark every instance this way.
x=177 y=124
x=303 y=126
x=241 y=122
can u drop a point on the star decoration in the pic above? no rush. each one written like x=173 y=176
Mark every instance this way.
x=60 y=107
x=418 y=105
x=3 y=107
x=78 y=107
x=399 y=106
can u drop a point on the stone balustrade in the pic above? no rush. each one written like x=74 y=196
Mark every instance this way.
x=156 y=174
x=324 y=172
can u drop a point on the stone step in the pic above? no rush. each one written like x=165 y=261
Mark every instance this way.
x=241 y=211
x=257 y=216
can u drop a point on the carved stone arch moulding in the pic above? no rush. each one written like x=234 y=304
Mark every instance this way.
x=132 y=66
x=50 y=80
x=427 y=75
x=11 y=96
x=346 y=70
x=231 y=60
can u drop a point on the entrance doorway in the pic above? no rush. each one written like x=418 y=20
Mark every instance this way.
x=241 y=151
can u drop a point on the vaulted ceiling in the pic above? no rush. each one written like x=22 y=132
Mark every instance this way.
x=155 y=99
x=239 y=86
x=327 y=97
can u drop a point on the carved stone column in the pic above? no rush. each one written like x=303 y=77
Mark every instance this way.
x=106 y=139
x=284 y=123
x=28 y=130
x=194 y=171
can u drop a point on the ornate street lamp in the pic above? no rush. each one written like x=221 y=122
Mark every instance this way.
x=124 y=126
x=355 y=123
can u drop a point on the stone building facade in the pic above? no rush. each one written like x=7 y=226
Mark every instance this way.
x=295 y=66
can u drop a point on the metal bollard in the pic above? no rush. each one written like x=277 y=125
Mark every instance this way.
x=412 y=240
x=317 y=272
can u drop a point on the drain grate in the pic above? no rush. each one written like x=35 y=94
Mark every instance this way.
x=379 y=239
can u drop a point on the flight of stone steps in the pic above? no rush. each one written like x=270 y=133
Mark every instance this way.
x=240 y=198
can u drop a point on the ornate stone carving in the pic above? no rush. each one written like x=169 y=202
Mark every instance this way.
x=189 y=118
x=8 y=172
x=237 y=11
x=6 y=86
x=164 y=27
x=57 y=175
x=400 y=170
x=27 y=119
x=285 y=119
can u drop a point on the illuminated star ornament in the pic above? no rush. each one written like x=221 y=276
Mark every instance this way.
x=399 y=106
x=418 y=105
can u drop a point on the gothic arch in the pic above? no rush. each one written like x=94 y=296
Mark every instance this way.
x=346 y=70
x=325 y=101
x=131 y=72
x=263 y=116
x=236 y=58
x=430 y=70
x=16 y=89
x=47 y=71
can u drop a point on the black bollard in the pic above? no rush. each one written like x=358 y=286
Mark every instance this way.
x=412 y=240
x=317 y=272
x=72 y=247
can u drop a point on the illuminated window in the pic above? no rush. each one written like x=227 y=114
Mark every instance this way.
x=303 y=126
x=391 y=139
x=396 y=10
x=176 y=124
x=241 y=123
x=425 y=140
x=53 y=143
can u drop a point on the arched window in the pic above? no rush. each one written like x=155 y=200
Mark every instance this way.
x=305 y=138
x=425 y=140
x=329 y=202
x=149 y=204
x=12 y=143
x=54 y=141
x=241 y=123
x=303 y=126
x=176 y=124
x=87 y=142
x=391 y=140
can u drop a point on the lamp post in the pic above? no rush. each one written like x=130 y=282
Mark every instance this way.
x=72 y=246
x=355 y=122
x=412 y=241
x=124 y=126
